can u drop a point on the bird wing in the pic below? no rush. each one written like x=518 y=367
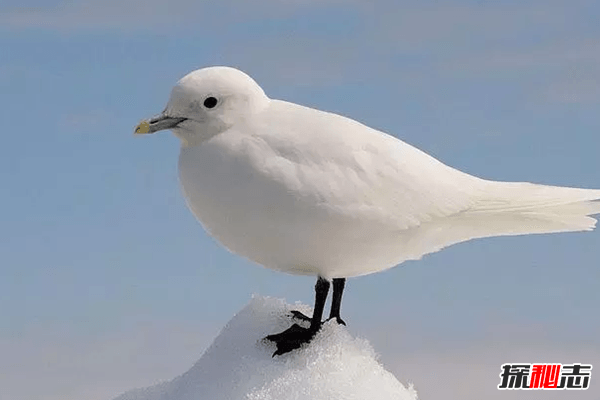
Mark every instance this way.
x=343 y=165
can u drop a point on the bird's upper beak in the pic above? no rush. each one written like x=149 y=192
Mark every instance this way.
x=158 y=123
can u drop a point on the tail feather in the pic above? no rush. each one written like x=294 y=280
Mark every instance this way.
x=523 y=196
x=507 y=209
x=539 y=208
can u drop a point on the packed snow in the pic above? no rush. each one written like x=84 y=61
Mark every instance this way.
x=239 y=365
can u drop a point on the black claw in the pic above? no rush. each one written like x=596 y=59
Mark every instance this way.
x=301 y=316
x=338 y=320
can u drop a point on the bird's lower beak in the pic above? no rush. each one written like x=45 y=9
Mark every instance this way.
x=158 y=123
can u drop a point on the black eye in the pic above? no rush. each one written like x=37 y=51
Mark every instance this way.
x=210 y=102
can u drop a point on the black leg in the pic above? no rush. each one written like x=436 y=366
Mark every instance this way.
x=336 y=301
x=321 y=291
x=295 y=336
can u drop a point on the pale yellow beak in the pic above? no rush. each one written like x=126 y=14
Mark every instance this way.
x=158 y=123
x=142 y=128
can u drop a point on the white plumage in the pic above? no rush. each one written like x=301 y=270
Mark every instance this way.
x=309 y=192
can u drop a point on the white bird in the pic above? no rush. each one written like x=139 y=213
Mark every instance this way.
x=309 y=192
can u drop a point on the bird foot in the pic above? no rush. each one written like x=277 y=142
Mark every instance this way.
x=292 y=338
x=303 y=317
x=295 y=336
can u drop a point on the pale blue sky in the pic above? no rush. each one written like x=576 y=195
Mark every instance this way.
x=106 y=280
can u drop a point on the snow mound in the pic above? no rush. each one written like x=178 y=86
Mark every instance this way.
x=239 y=365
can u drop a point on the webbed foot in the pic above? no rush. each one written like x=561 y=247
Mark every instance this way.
x=292 y=338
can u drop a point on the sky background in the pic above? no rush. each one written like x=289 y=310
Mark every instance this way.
x=108 y=283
